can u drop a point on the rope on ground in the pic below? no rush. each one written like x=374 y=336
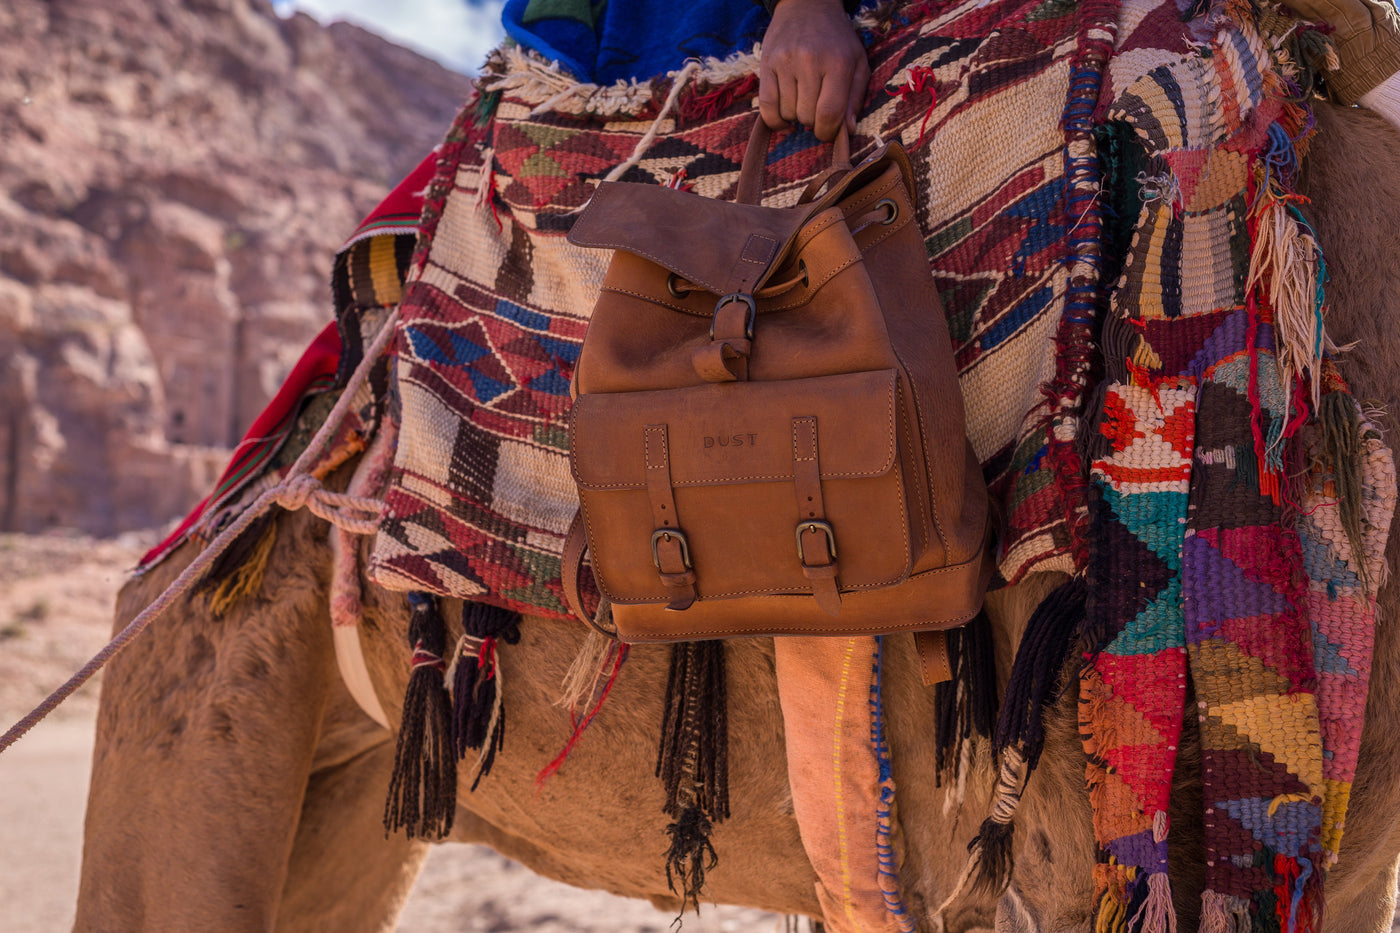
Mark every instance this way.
x=299 y=489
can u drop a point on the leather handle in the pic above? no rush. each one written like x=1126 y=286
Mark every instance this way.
x=756 y=158
x=571 y=573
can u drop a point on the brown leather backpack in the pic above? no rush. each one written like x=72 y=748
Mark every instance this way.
x=768 y=433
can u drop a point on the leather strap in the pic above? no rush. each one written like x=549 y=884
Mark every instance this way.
x=816 y=544
x=756 y=159
x=669 y=547
x=726 y=357
x=571 y=568
x=932 y=648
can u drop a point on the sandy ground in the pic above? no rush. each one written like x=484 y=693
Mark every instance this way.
x=56 y=597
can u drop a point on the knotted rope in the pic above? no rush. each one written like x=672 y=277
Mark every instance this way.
x=298 y=490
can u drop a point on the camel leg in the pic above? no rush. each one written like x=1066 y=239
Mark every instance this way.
x=344 y=875
x=205 y=743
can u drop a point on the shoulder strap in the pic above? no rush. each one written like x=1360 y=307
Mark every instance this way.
x=571 y=572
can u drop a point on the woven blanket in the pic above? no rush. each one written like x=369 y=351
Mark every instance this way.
x=1239 y=498
x=497 y=304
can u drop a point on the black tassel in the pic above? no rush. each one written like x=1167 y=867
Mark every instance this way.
x=1035 y=674
x=478 y=720
x=995 y=863
x=423 y=788
x=966 y=705
x=693 y=762
x=690 y=856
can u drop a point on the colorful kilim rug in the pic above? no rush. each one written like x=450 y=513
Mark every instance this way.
x=1239 y=499
x=495 y=310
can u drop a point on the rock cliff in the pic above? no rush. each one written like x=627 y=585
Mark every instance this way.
x=174 y=178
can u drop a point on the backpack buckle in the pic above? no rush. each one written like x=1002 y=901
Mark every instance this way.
x=748 y=322
x=666 y=534
x=826 y=529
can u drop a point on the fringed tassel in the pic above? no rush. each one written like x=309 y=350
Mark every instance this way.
x=1156 y=914
x=989 y=859
x=1224 y=913
x=965 y=707
x=423 y=787
x=1286 y=258
x=1341 y=443
x=693 y=762
x=1114 y=884
x=1035 y=674
x=478 y=714
x=709 y=106
x=238 y=572
x=616 y=656
x=691 y=855
x=594 y=658
x=1297 y=895
x=921 y=78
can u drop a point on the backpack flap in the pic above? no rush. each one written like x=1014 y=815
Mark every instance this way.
x=733 y=488
x=719 y=245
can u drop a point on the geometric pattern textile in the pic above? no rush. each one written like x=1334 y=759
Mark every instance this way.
x=1239 y=501
x=497 y=304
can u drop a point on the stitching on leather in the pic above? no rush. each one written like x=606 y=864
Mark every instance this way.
x=596 y=560
x=647 y=431
x=944 y=623
x=812 y=447
x=923 y=515
x=923 y=432
x=654 y=300
x=925 y=625
x=890 y=460
x=810 y=290
x=813 y=289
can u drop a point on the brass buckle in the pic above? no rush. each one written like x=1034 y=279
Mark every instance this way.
x=748 y=324
x=667 y=534
x=824 y=528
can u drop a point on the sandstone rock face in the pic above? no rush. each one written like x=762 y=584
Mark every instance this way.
x=175 y=176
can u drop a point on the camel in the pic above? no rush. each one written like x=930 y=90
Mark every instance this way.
x=237 y=786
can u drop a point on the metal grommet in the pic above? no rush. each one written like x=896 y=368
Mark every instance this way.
x=673 y=286
x=894 y=210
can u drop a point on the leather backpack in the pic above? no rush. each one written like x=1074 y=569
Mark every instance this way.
x=767 y=431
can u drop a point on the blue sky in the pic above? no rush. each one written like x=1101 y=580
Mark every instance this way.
x=457 y=33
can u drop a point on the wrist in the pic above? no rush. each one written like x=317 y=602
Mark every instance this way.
x=842 y=5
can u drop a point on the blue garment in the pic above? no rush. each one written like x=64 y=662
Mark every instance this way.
x=615 y=40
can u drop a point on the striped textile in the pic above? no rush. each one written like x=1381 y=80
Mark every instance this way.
x=497 y=304
x=1207 y=562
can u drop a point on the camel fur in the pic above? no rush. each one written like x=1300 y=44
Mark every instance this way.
x=237 y=787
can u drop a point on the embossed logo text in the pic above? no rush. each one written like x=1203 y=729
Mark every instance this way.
x=731 y=440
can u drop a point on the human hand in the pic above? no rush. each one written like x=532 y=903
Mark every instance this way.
x=813 y=69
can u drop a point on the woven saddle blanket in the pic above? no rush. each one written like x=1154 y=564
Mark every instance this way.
x=497 y=303
x=1105 y=191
